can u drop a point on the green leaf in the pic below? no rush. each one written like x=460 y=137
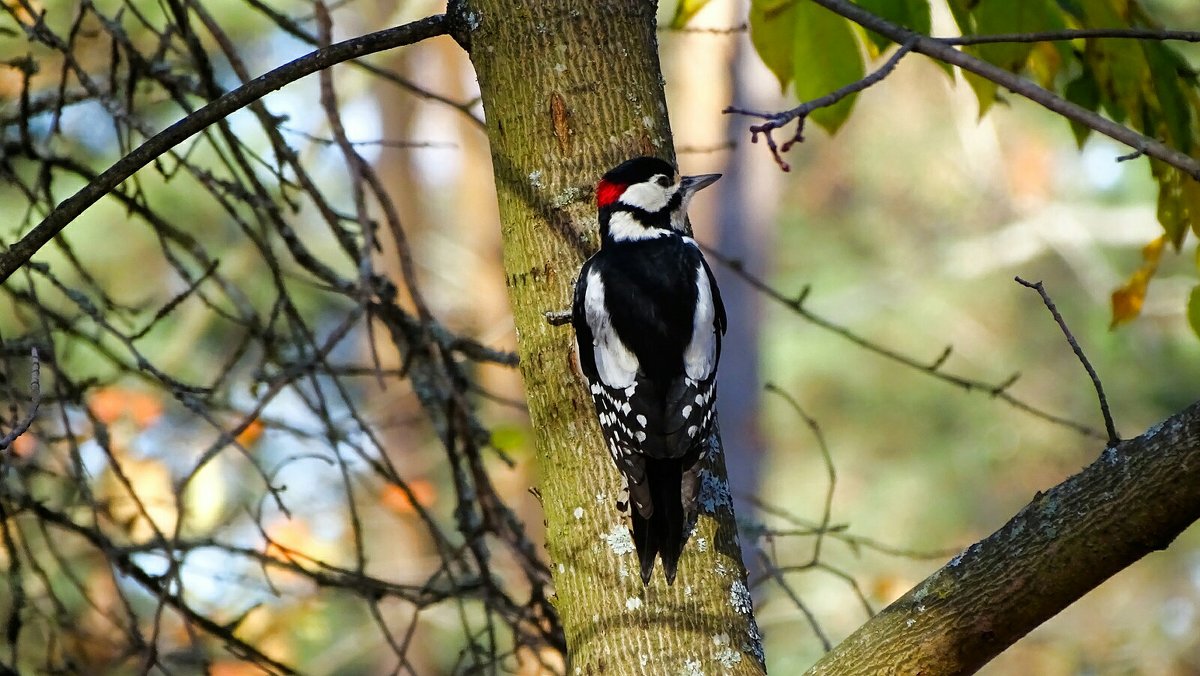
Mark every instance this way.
x=825 y=57
x=961 y=9
x=1012 y=16
x=912 y=14
x=685 y=10
x=1119 y=66
x=1165 y=90
x=1072 y=7
x=1083 y=92
x=985 y=90
x=1173 y=210
x=1007 y=16
x=1193 y=310
x=772 y=32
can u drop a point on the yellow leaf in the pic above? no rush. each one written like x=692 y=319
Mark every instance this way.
x=1127 y=301
x=685 y=10
x=1191 y=202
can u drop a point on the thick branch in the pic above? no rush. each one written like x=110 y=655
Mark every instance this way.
x=1134 y=499
x=942 y=51
x=235 y=100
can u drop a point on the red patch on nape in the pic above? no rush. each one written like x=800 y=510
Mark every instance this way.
x=608 y=192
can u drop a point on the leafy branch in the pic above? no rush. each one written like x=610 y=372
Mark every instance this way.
x=943 y=49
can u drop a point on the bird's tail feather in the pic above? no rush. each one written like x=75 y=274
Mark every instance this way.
x=661 y=532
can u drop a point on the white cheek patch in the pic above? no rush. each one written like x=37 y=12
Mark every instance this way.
x=623 y=226
x=700 y=356
x=615 y=363
x=648 y=195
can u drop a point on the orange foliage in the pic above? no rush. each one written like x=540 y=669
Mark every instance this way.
x=24 y=445
x=288 y=536
x=111 y=404
x=248 y=436
x=394 y=498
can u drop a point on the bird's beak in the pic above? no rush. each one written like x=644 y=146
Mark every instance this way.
x=691 y=184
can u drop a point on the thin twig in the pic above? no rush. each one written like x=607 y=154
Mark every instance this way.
x=830 y=470
x=998 y=391
x=801 y=112
x=1074 y=34
x=731 y=30
x=775 y=573
x=1113 y=437
x=35 y=395
x=24 y=249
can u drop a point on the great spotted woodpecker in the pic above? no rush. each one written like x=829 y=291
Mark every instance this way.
x=648 y=323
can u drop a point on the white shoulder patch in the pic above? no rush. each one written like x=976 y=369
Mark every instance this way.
x=623 y=227
x=700 y=357
x=616 y=364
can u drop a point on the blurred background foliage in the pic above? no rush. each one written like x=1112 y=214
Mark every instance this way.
x=908 y=226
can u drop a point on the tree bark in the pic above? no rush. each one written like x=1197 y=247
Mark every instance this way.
x=570 y=90
x=1134 y=499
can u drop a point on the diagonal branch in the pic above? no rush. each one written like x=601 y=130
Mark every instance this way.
x=1075 y=34
x=942 y=51
x=1136 y=498
x=24 y=249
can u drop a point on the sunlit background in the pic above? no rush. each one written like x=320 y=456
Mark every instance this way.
x=907 y=228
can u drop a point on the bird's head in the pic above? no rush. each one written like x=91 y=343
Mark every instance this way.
x=644 y=198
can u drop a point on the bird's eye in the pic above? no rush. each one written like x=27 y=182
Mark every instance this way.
x=663 y=181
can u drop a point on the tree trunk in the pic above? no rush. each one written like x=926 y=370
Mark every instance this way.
x=570 y=90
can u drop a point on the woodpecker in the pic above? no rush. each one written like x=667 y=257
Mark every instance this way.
x=648 y=322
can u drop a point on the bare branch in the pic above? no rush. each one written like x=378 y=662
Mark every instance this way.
x=999 y=391
x=35 y=395
x=24 y=249
x=1075 y=34
x=1113 y=437
x=1134 y=499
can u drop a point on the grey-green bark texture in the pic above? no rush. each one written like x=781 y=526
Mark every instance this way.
x=1134 y=499
x=570 y=89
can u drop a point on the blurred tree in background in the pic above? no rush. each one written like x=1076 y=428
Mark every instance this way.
x=279 y=425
